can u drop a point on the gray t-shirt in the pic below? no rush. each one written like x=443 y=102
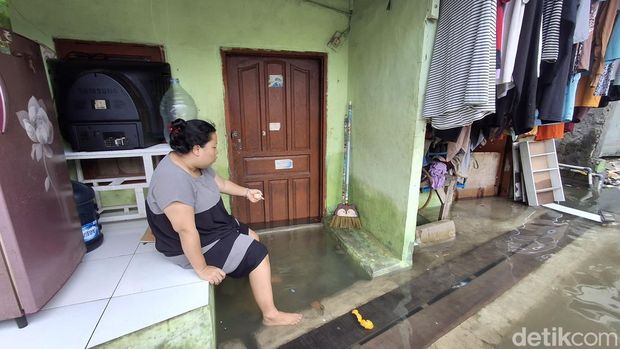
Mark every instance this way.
x=170 y=183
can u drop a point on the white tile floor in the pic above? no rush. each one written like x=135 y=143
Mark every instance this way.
x=112 y=293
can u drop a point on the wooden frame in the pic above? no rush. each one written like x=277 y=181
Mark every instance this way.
x=150 y=53
x=321 y=57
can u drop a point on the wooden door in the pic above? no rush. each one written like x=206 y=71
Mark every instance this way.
x=274 y=130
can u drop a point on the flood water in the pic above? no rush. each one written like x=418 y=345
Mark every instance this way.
x=306 y=264
x=586 y=302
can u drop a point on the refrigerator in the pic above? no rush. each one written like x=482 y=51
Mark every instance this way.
x=40 y=234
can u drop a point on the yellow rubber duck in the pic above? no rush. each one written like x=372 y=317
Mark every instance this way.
x=367 y=324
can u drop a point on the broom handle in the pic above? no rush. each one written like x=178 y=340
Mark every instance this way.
x=347 y=162
x=344 y=167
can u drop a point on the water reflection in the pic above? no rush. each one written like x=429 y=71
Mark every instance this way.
x=307 y=266
x=596 y=303
x=584 y=297
x=537 y=237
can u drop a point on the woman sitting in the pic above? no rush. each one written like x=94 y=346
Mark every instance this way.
x=191 y=225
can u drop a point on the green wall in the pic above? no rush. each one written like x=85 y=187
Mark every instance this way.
x=193 y=32
x=388 y=64
x=5 y=20
x=381 y=67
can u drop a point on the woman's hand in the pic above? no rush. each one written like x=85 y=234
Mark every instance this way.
x=254 y=195
x=214 y=275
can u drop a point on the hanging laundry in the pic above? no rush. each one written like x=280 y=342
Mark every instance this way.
x=545 y=132
x=585 y=95
x=600 y=39
x=569 y=99
x=552 y=14
x=448 y=135
x=554 y=76
x=613 y=47
x=614 y=89
x=585 y=48
x=462 y=143
x=461 y=83
x=513 y=20
x=519 y=104
x=499 y=27
x=603 y=84
x=582 y=26
x=602 y=35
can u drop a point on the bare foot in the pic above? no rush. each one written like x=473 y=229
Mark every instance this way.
x=282 y=319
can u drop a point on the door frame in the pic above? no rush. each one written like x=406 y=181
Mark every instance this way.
x=321 y=57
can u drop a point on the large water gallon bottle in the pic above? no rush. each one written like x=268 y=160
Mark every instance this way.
x=176 y=104
x=84 y=197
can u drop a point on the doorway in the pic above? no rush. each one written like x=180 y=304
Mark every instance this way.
x=276 y=133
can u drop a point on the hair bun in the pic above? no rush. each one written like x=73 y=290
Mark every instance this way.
x=177 y=126
x=184 y=135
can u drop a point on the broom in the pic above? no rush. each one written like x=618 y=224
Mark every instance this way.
x=346 y=215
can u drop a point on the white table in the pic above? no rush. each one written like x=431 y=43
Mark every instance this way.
x=135 y=183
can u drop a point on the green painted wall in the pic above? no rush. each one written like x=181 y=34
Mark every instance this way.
x=389 y=53
x=192 y=32
x=5 y=19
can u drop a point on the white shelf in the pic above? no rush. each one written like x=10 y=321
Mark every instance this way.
x=120 y=187
x=546 y=170
x=158 y=149
x=136 y=183
x=547 y=189
x=106 y=181
x=542 y=154
x=540 y=164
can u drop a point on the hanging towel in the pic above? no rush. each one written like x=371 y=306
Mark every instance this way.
x=461 y=83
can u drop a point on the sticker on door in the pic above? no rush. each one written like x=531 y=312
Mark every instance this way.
x=284 y=164
x=276 y=81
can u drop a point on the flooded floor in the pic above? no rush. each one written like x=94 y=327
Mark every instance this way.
x=586 y=199
x=307 y=265
x=575 y=287
x=586 y=300
x=576 y=291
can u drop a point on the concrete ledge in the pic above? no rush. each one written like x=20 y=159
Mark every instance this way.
x=367 y=252
x=194 y=329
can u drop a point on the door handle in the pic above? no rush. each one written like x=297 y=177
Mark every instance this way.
x=237 y=145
